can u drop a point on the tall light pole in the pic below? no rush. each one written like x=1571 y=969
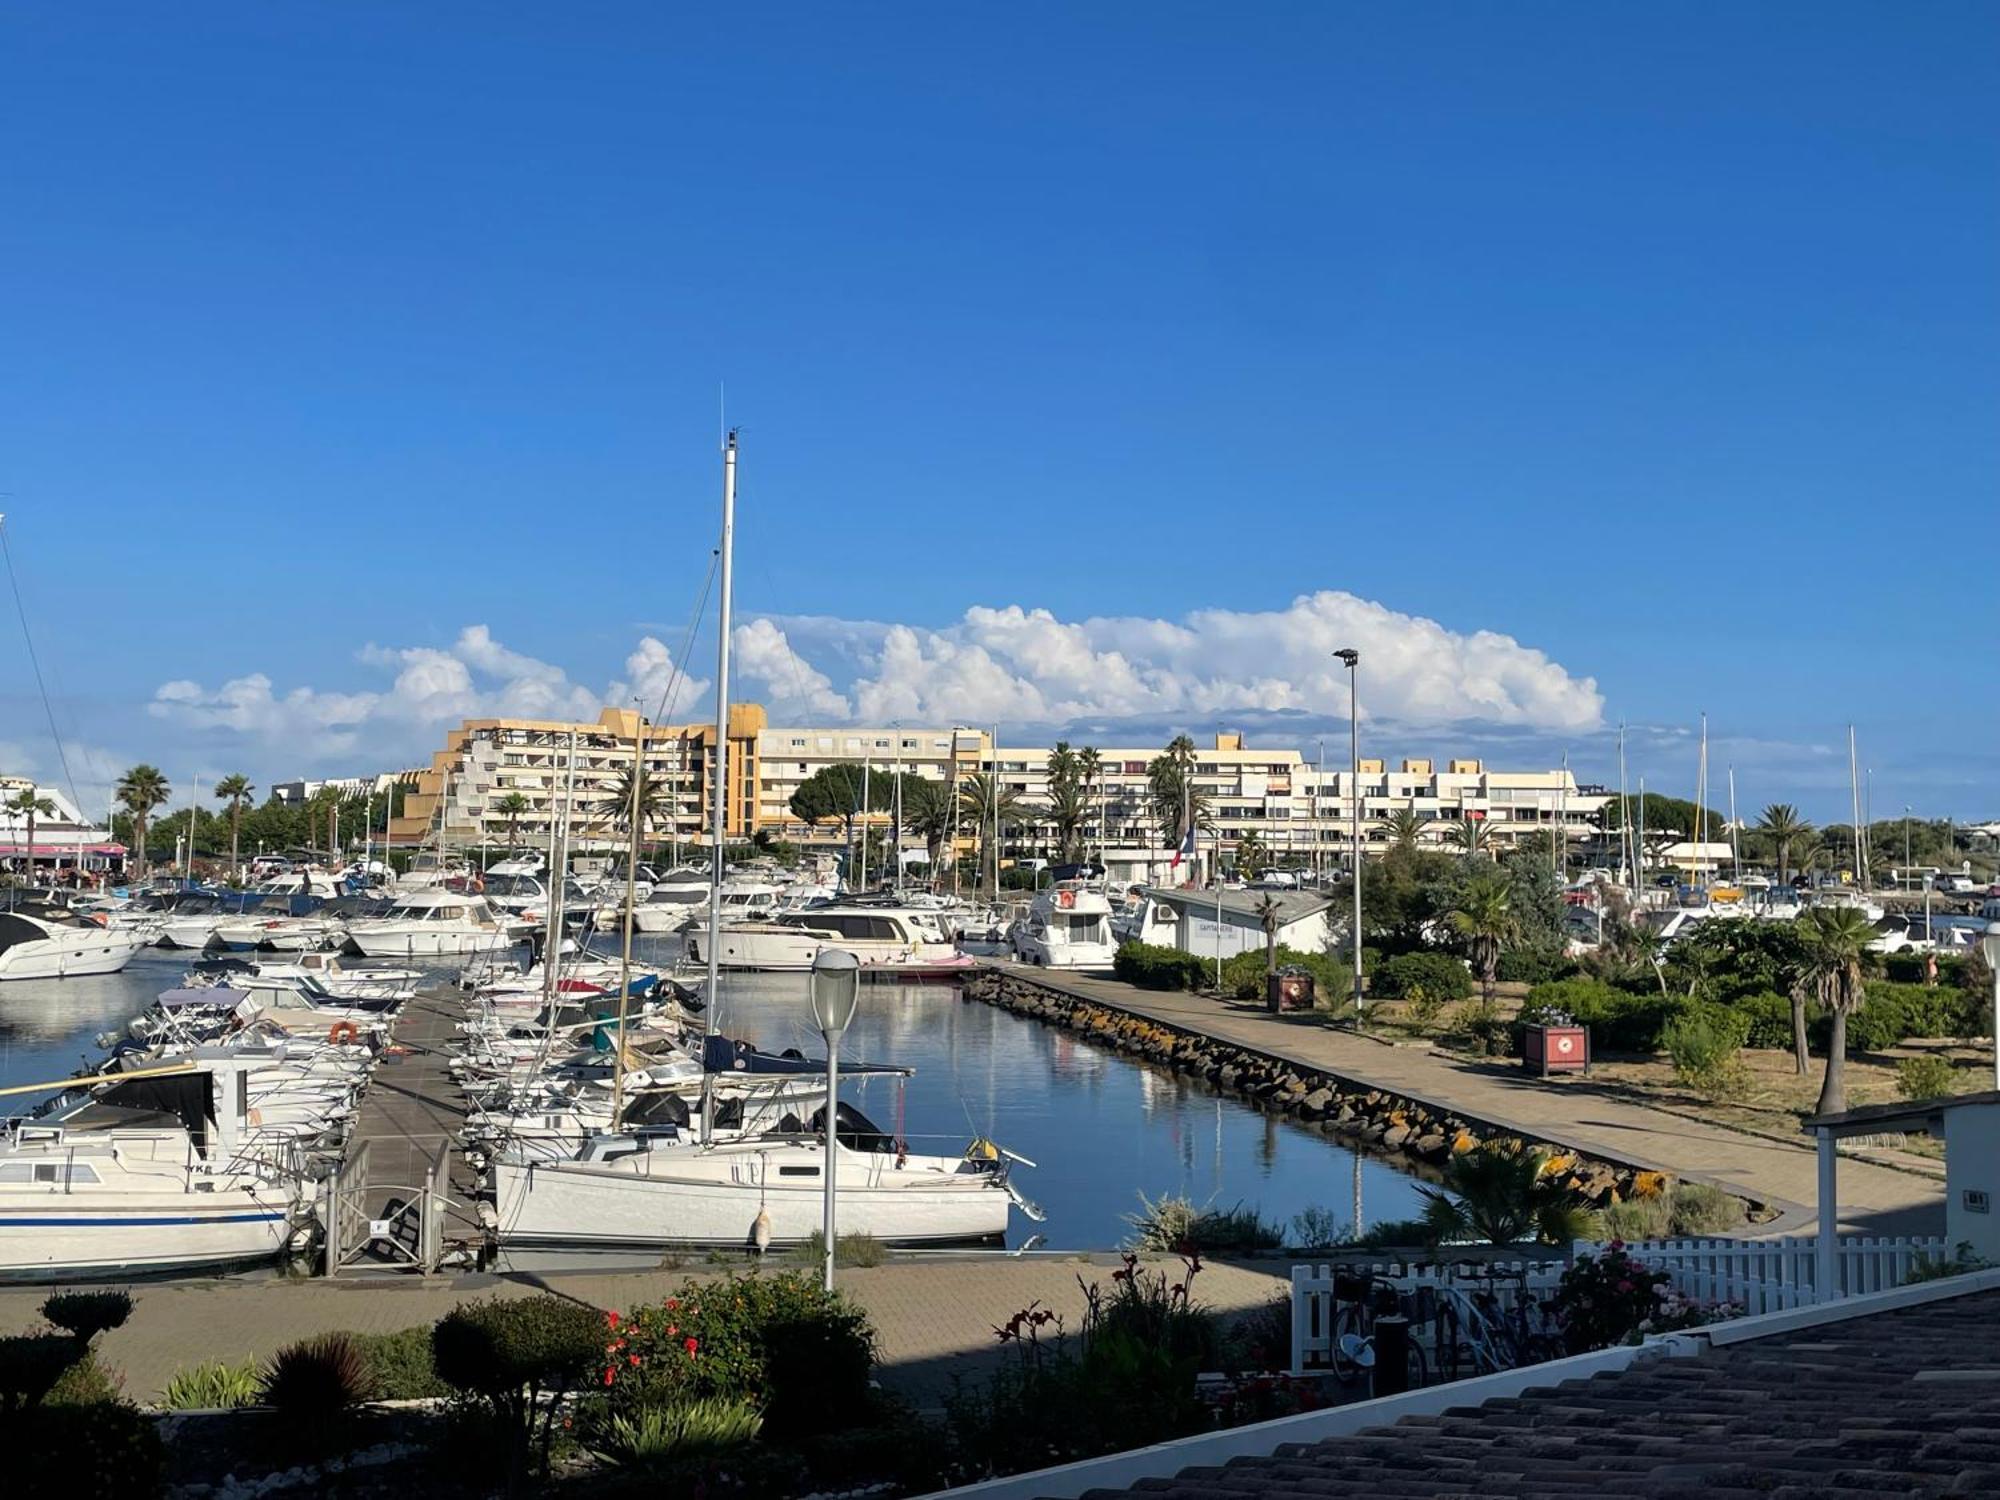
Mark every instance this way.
x=1353 y=659
x=1990 y=945
x=835 y=986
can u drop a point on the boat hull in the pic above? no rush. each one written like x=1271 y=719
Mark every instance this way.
x=52 y=1234
x=427 y=944
x=91 y=953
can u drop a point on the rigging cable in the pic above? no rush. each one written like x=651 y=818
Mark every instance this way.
x=35 y=661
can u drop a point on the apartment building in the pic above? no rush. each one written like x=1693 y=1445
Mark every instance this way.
x=1299 y=813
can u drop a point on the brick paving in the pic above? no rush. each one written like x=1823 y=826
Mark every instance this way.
x=1568 y=1111
x=935 y=1317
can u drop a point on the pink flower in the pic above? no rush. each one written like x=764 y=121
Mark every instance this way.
x=1624 y=1286
x=632 y=1360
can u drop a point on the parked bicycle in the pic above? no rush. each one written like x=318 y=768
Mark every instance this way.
x=1361 y=1300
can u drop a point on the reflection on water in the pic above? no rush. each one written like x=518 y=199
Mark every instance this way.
x=1101 y=1129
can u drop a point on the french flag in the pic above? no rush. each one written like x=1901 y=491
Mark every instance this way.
x=1185 y=851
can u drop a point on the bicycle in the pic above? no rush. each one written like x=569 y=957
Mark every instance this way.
x=1353 y=1342
x=1491 y=1336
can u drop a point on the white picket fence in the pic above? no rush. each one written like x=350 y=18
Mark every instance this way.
x=1773 y=1275
x=1761 y=1276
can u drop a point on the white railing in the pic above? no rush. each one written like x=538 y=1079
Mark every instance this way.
x=1760 y=1276
x=1765 y=1276
x=1319 y=1291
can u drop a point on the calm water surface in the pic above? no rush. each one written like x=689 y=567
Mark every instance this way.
x=1101 y=1128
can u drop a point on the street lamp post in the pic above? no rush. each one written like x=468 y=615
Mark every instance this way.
x=1353 y=659
x=835 y=987
x=1990 y=945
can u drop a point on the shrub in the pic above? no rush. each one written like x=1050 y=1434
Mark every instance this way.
x=1926 y=1078
x=1153 y=967
x=109 y=1451
x=861 y=1249
x=782 y=1343
x=1481 y=1027
x=513 y=1354
x=1767 y=1018
x=1393 y=1232
x=1619 y=1020
x=1320 y=1229
x=1409 y=975
x=658 y=1437
x=85 y=1383
x=1604 y=1298
x=1699 y=1208
x=1703 y=1041
x=1637 y=1219
x=211 y=1385
x=400 y=1367
x=316 y=1377
x=30 y=1366
x=1936 y=1268
x=87 y=1314
x=1173 y=1224
x=1533 y=966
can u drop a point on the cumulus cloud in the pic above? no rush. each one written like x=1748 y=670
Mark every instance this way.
x=1015 y=664
x=764 y=655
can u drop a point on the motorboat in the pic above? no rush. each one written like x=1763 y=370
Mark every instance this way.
x=1068 y=926
x=880 y=936
x=146 y=1174
x=434 y=923
x=275 y=927
x=52 y=942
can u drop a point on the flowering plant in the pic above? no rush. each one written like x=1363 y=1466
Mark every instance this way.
x=1603 y=1298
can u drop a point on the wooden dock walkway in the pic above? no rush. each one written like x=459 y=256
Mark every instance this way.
x=411 y=1113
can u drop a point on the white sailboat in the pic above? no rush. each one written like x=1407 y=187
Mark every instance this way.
x=51 y=942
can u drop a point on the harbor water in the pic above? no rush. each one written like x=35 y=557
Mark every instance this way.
x=1101 y=1129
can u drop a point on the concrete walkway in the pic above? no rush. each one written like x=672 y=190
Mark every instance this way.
x=1567 y=1110
x=935 y=1317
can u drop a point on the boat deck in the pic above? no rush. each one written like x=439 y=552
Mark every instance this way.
x=413 y=1109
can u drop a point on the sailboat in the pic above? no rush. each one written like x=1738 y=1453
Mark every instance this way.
x=710 y=1182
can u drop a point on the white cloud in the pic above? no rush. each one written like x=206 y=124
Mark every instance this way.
x=765 y=655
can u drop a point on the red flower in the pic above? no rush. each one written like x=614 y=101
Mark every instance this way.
x=691 y=1345
x=1624 y=1286
x=672 y=1303
x=632 y=1360
x=609 y=1376
x=611 y=1320
x=673 y=1329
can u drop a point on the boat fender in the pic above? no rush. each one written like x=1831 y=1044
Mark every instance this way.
x=342 y=1032
x=1065 y=899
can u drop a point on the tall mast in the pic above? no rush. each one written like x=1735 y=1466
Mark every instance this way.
x=1735 y=834
x=1624 y=818
x=1854 y=794
x=719 y=801
x=631 y=894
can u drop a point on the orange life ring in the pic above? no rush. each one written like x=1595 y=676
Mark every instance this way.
x=342 y=1032
x=1065 y=898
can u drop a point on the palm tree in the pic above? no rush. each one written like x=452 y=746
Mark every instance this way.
x=927 y=812
x=26 y=803
x=1089 y=768
x=511 y=807
x=1403 y=827
x=1501 y=1197
x=1484 y=917
x=1835 y=937
x=1267 y=918
x=1172 y=793
x=1251 y=855
x=990 y=805
x=614 y=806
x=1783 y=826
x=234 y=789
x=1066 y=810
x=1062 y=766
x=140 y=790
x=1470 y=836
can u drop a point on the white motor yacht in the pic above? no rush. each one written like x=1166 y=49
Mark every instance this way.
x=51 y=942
x=880 y=936
x=432 y=924
x=1068 y=926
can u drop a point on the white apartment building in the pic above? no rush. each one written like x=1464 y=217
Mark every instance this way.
x=65 y=839
x=1301 y=815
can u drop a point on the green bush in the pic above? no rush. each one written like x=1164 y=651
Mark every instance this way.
x=87 y=1314
x=1636 y=1219
x=1243 y=975
x=400 y=1367
x=1437 y=975
x=781 y=1342
x=1704 y=1041
x=1619 y=1020
x=1926 y=1078
x=1153 y=967
x=1480 y=1026
x=1696 y=1208
x=110 y=1451
x=85 y=1383
x=316 y=1377
x=31 y=1364
x=211 y=1386
x=655 y=1438
x=1767 y=1017
x=861 y=1249
x=1533 y=966
x=1892 y=1012
x=1174 y=1225
x=517 y=1357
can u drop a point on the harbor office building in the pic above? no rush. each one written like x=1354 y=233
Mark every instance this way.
x=1300 y=813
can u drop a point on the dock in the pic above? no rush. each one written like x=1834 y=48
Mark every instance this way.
x=403 y=1150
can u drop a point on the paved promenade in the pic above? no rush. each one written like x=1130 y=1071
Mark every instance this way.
x=935 y=1316
x=1568 y=1111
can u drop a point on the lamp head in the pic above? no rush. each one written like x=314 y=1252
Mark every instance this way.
x=1349 y=655
x=835 y=989
x=1990 y=946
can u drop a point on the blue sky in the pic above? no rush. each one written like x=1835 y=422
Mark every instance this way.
x=372 y=353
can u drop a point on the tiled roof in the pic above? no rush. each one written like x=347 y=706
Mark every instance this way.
x=1905 y=1402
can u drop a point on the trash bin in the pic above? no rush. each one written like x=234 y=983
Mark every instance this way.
x=1289 y=989
x=1556 y=1049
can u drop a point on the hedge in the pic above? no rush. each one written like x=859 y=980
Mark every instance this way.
x=1243 y=975
x=1438 y=976
x=1891 y=1012
x=1619 y=1020
x=1533 y=966
x=1152 y=967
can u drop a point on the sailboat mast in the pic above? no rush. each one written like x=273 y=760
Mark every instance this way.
x=631 y=895
x=1854 y=794
x=719 y=801
x=1735 y=834
x=1624 y=817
